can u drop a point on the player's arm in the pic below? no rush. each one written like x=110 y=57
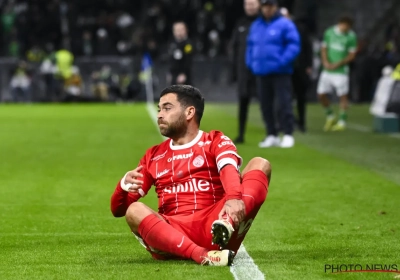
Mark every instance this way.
x=352 y=50
x=324 y=57
x=324 y=51
x=228 y=163
x=349 y=58
x=134 y=185
x=292 y=44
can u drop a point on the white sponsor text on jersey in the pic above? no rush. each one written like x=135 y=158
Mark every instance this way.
x=159 y=174
x=184 y=156
x=159 y=156
x=193 y=185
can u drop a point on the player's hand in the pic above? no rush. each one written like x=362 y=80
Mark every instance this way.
x=132 y=177
x=235 y=209
x=334 y=66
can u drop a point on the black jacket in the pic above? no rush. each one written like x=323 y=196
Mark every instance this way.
x=305 y=58
x=180 y=57
x=240 y=72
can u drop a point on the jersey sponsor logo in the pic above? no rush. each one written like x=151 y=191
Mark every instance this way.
x=180 y=245
x=201 y=143
x=225 y=143
x=158 y=157
x=162 y=173
x=193 y=185
x=198 y=161
x=337 y=46
x=177 y=157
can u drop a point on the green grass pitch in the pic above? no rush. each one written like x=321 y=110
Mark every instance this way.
x=334 y=198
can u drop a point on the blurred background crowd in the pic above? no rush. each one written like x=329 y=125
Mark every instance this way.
x=91 y=50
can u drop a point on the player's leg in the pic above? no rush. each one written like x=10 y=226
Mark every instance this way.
x=161 y=236
x=255 y=181
x=323 y=88
x=342 y=89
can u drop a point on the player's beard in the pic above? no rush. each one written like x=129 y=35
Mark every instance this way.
x=176 y=129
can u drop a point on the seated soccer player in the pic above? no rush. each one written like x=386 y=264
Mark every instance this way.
x=205 y=205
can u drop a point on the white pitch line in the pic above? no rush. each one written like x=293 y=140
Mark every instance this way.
x=359 y=127
x=363 y=128
x=56 y=234
x=243 y=267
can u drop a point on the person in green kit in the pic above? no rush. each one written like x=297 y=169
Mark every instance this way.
x=339 y=48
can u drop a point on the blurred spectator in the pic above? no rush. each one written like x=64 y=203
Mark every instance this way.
x=302 y=71
x=105 y=84
x=180 y=52
x=64 y=60
x=103 y=44
x=240 y=73
x=129 y=85
x=35 y=54
x=338 y=50
x=47 y=70
x=73 y=86
x=20 y=85
x=272 y=46
x=87 y=43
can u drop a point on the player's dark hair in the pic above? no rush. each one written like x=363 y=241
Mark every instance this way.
x=187 y=96
x=347 y=19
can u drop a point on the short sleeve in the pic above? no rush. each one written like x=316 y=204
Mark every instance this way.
x=225 y=151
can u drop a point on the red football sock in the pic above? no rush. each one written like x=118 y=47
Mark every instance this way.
x=255 y=184
x=255 y=190
x=162 y=236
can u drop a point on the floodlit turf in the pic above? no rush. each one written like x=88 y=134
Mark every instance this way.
x=334 y=198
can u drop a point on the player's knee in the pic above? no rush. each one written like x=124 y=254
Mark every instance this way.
x=133 y=213
x=259 y=163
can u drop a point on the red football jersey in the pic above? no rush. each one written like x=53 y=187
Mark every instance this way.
x=187 y=176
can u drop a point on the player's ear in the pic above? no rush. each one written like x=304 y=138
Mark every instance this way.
x=190 y=111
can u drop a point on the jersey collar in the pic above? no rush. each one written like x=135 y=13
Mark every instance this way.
x=187 y=145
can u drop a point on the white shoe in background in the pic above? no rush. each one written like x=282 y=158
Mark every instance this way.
x=269 y=141
x=287 y=141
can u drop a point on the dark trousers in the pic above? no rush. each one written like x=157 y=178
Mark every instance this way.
x=300 y=86
x=247 y=90
x=279 y=87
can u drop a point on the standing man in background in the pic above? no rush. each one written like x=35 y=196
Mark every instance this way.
x=272 y=46
x=303 y=65
x=246 y=80
x=338 y=50
x=180 y=52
